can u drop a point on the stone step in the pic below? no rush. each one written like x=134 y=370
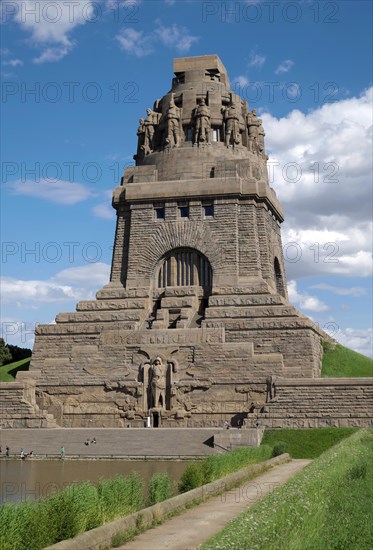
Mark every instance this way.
x=270 y=323
x=253 y=312
x=121 y=293
x=245 y=299
x=67 y=329
x=112 y=305
x=113 y=441
x=99 y=316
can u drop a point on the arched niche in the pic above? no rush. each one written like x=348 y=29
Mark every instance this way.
x=182 y=267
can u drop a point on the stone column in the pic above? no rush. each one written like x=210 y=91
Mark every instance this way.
x=195 y=269
x=173 y=278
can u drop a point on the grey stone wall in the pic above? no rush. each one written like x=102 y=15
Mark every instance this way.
x=318 y=403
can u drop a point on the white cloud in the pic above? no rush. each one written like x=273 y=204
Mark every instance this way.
x=241 y=81
x=13 y=62
x=285 y=66
x=311 y=252
x=104 y=211
x=135 y=42
x=175 y=37
x=70 y=284
x=61 y=192
x=321 y=166
x=256 y=59
x=355 y=291
x=358 y=264
x=51 y=24
x=89 y=275
x=140 y=44
x=41 y=291
x=305 y=301
x=51 y=55
x=357 y=339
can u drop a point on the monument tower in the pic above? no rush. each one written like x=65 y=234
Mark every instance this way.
x=195 y=324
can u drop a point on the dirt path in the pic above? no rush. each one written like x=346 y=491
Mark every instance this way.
x=194 y=527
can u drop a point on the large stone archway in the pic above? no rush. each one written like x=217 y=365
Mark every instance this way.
x=184 y=267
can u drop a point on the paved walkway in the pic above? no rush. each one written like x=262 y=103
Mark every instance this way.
x=111 y=442
x=195 y=526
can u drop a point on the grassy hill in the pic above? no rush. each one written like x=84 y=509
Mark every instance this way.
x=8 y=372
x=326 y=506
x=310 y=443
x=340 y=361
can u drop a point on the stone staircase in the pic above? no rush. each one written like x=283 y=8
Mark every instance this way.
x=113 y=442
x=315 y=403
x=178 y=309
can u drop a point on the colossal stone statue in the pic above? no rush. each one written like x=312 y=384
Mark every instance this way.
x=141 y=140
x=173 y=124
x=261 y=135
x=252 y=126
x=256 y=133
x=150 y=123
x=158 y=383
x=232 y=128
x=202 y=126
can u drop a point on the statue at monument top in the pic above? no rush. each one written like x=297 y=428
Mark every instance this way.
x=141 y=140
x=232 y=129
x=256 y=133
x=202 y=124
x=173 y=124
x=150 y=122
x=201 y=109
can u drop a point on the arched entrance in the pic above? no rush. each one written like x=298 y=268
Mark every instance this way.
x=184 y=276
x=184 y=267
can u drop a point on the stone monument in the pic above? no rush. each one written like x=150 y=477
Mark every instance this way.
x=194 y=327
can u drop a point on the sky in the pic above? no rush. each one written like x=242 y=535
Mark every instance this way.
x=76 y=76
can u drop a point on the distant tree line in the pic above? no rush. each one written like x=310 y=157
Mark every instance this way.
x=11 y=354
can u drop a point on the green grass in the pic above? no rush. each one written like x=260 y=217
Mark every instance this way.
x=341 y=361
x=160 y=488
x=8 y=372
x=214 y=467
x=327 y=506
x=79 y=507
x=307 y=443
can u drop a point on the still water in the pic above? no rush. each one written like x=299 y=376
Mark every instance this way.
x=32 y=479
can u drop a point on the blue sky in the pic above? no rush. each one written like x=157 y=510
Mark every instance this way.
x=77 y=76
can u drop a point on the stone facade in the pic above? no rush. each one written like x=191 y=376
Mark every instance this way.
x=19 y=409
x=317 y=403
x=195 y=322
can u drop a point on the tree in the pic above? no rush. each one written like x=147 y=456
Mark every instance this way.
x=5 y=355
x=18 y=353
